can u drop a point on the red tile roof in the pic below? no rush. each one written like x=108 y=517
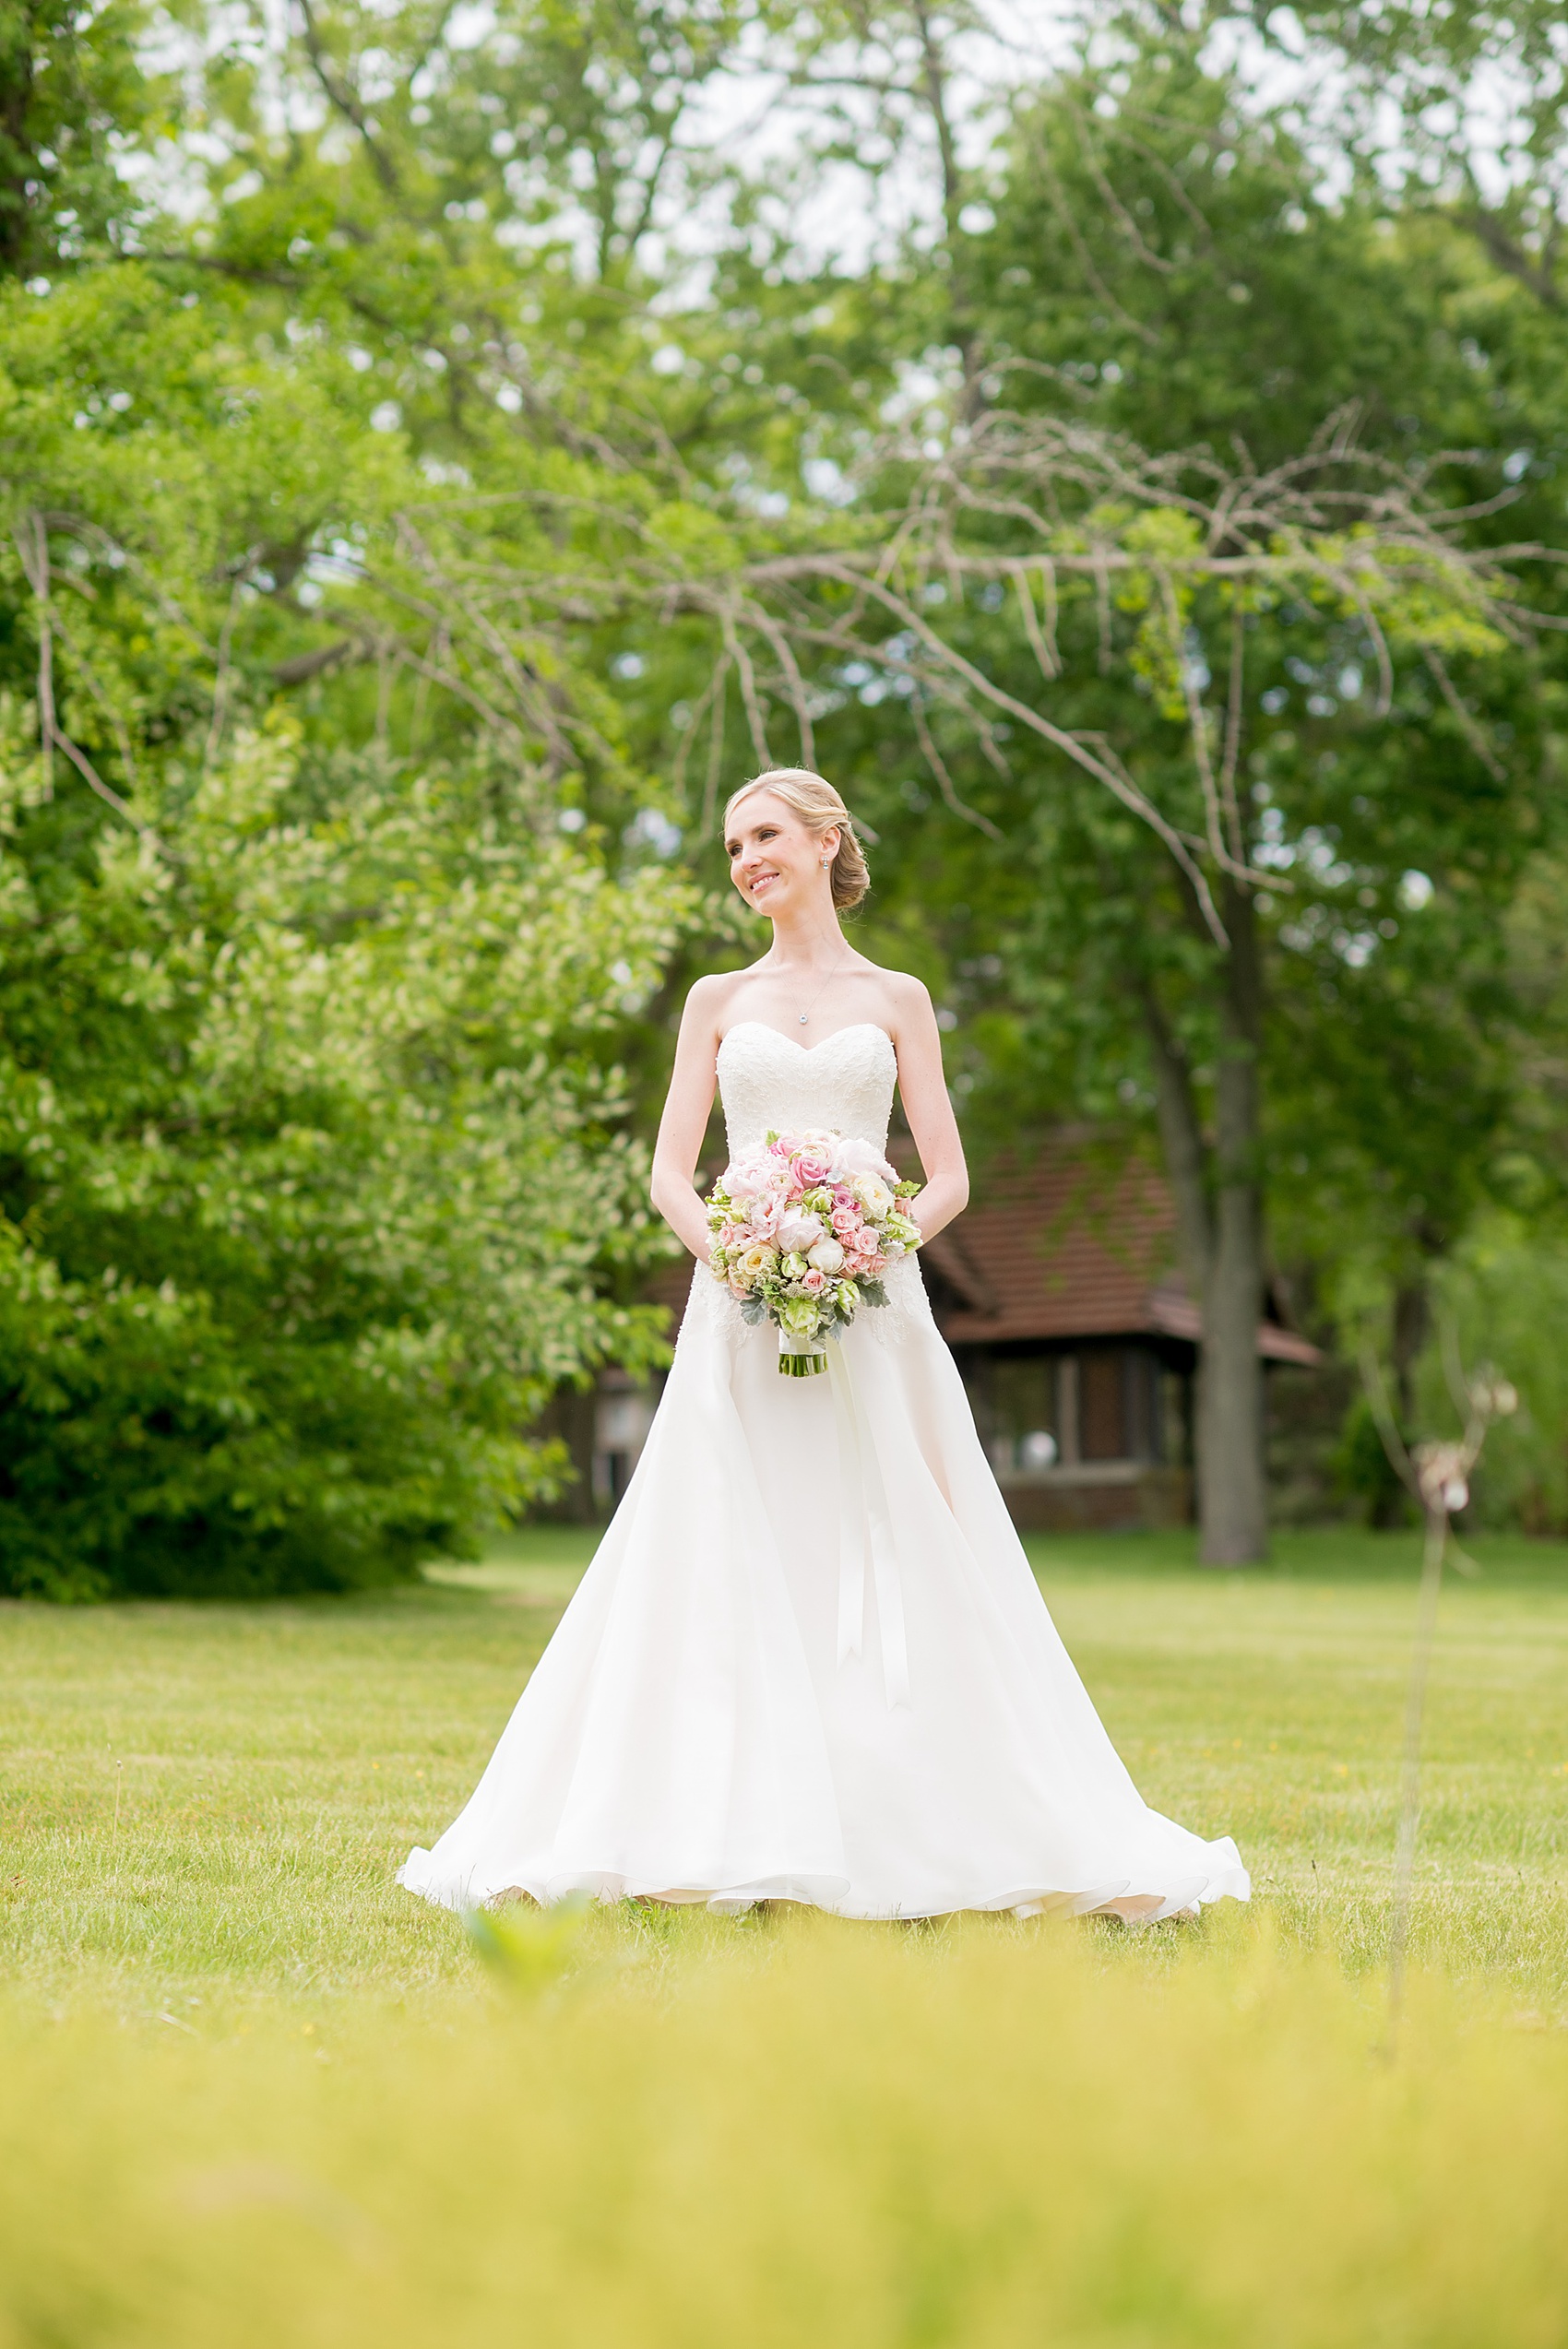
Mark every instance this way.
x=1074 y=1244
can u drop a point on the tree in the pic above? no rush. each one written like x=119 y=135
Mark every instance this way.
x=1156 y=259
x=312 y=1159
x=1464 y=110
x=1218 y=294
x=1095 y=650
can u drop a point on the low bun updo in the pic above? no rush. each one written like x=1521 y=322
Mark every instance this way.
x=814 y=800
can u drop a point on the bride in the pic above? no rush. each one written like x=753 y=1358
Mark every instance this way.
x=810 y=1661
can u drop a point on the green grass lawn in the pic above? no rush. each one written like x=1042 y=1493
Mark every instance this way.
x=295 y=2102
x=269 y=1766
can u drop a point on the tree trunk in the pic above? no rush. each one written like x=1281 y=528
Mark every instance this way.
x=1232 y=1484
x=1220 y=1222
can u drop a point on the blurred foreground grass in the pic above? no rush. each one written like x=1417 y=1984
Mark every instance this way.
x=255 y=2095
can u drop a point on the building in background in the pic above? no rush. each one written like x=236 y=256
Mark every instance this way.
x=1076 y=1339
x=1072 y=1329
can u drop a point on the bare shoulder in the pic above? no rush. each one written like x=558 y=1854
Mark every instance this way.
x=910 y=1002
x=709 y=998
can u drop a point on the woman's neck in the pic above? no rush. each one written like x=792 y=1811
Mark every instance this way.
x=807 y=941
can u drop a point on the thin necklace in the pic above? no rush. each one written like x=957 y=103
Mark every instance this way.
x=822 y=991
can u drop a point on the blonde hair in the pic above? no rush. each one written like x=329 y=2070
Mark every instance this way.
x=819 y=807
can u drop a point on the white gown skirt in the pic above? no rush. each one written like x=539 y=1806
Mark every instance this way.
x=810 y=1662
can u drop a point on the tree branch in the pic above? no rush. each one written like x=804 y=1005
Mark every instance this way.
x=347 y=103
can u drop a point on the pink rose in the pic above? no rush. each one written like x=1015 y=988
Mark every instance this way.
x=845 y=1221
x=812 y=1164
x=744 y=1176
x=814 y=1282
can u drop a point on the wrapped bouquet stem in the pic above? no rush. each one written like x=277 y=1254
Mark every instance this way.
x=799 y=1357
x=803 y=1228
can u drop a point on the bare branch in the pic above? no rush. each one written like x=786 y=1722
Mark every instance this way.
x=933 y=759
x=1467 y=724
x=688 y=734
x=1118 y=782
x=1346 y=529
x=343 y=97
x=111 y=798
x=302 y=667
x=715 y=743
x=1042 y=642
x=1230 y=859
x=1488 y=228
x=747 y=676
x=762 y=619
x=33 y=547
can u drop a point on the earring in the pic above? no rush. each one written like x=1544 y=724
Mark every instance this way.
x=825 y=863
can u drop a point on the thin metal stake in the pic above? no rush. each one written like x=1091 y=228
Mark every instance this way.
x=1438 y=1476
x=1410 y=1793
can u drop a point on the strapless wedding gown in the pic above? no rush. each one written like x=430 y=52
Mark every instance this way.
x=809 y=1661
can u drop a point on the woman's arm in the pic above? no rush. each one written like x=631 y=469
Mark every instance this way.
x=687 y=1107
x=929 y=1112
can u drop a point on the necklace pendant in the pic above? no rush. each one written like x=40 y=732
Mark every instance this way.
x=804 y=1018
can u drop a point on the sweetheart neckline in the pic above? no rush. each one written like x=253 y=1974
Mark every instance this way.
x=855 y=1027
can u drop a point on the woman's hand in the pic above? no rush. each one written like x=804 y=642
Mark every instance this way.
x=927 y=1110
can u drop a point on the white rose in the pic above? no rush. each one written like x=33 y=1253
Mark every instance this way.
x=857 y=1158
x=798 y=1232
x=827 y=1256
x=874 y=1197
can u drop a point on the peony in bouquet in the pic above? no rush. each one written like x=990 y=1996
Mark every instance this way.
x=804 y=1225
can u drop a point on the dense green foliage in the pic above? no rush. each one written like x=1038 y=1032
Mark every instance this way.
x=313 y=1155
x=308 y=1165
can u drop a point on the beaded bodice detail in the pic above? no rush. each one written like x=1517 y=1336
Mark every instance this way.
x=769 y=1082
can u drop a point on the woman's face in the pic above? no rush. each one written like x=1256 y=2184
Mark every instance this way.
x=774 y=860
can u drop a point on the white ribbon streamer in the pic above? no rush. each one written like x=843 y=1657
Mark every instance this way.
x=863 y=1509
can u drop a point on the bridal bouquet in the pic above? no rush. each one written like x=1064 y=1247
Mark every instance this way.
x=804 y=1225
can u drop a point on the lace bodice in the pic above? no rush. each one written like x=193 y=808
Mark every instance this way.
x=768 y=1081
